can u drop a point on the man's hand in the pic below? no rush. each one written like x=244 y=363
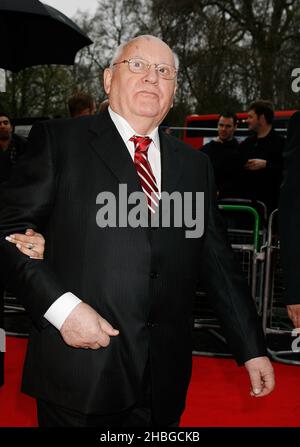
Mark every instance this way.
x=294 y=314
x=31 y=243
x=254 y=164
x=261 y=375
x=85 y=328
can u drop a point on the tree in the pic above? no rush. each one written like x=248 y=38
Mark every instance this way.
x=37 y=91
x=206 y=45
x=231 y=52
x=268 y=29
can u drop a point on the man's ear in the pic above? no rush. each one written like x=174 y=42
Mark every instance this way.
x=107 y=77
x=263 y=120
x=175 y=88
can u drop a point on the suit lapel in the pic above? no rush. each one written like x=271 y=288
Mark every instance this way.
x=172 y=161
x=106 y=141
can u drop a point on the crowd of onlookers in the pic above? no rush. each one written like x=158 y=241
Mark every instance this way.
x=251 y=169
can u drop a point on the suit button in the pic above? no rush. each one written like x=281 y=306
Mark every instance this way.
x=154 y=275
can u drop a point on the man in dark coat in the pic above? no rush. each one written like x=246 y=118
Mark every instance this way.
x=225 y=156
x=262 y=174
x=289 y=218
x=112 y=304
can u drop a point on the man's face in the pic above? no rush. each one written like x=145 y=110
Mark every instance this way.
x=253 y=121
x=5 y=128
x=226 y=128
x=137 y=96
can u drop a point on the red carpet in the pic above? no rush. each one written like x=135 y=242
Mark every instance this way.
x=16 y=409
x=218 y=395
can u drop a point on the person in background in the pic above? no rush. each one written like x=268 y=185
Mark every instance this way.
x=81 y=104
x=223 y=152
x=262 y=173
x=12 y=146
x=112 y=334
x=289 y=220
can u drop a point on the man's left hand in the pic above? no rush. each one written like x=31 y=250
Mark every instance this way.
x=253 y=164
x=261 y=375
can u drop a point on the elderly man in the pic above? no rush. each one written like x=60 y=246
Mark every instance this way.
x=111 y=343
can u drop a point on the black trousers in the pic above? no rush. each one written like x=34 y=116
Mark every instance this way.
x=139 y=415
x=51 y=415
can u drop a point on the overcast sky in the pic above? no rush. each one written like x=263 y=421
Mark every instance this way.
x=69 y=7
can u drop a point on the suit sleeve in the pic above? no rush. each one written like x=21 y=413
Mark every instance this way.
x=227 y=288
x=289 y=213
x=26 y=202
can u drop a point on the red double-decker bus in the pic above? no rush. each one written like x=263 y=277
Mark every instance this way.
x=200 y=129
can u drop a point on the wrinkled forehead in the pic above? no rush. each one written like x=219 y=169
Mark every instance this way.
x=149 y=48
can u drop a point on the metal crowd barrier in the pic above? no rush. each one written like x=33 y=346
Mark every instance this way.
x=247 y=233
x=276 y=323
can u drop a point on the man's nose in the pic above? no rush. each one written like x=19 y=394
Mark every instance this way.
x=151 y=75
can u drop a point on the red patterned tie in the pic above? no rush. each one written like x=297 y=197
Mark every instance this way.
x=147 y=179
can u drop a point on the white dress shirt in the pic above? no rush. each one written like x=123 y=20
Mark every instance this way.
x=126 y=132
x=63 y=306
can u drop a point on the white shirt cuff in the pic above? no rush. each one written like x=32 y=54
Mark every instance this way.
x=61 y=309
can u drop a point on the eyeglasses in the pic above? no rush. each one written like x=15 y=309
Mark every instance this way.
x=5 y=122
x=140 y=66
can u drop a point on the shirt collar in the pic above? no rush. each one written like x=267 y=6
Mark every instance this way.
x=126 y=131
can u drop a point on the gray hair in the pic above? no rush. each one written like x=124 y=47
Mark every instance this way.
x=119 y=51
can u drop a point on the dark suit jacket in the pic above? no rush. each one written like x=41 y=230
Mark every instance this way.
x=18 y=145
x=262 y=184
x=227 y=162
x=142 y=281
x=289 y=213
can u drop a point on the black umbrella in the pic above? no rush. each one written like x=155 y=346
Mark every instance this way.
x=32 y=33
